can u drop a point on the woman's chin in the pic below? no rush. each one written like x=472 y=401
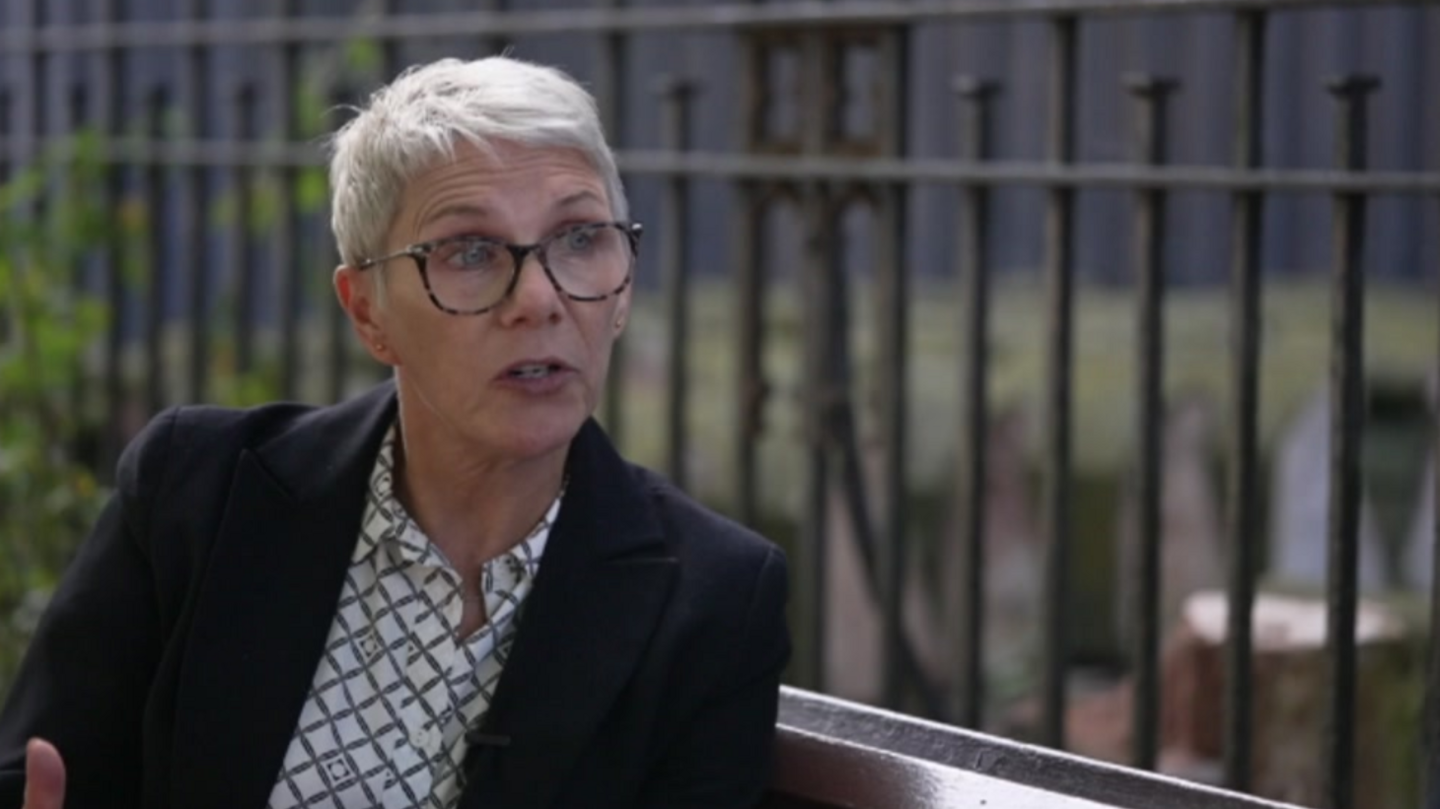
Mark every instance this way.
x=534 y=438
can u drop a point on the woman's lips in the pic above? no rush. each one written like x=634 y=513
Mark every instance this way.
x=536 y=376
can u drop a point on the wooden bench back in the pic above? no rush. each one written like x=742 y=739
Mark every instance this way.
x=833 y=753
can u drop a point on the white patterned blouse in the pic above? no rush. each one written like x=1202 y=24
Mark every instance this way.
x=395 y=691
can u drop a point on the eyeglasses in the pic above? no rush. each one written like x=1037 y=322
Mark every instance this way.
x=470 y=275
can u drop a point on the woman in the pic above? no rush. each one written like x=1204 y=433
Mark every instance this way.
x=449 y=591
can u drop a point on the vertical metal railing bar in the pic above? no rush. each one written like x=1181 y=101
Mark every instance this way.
x=611 y=101
x=814 y=526
x=6 y=121
x=498 y=43
x=77 y=118
x=1058 y=395
x=6 y=130
x=285 y=258
x=26 y=122
x=6 y=326
x=750 y=388
x=389 y=46
x=152 y=195
x=26 y=126
x=892 y=315
x=337 y=344
x=747 y=259
x=676 y=94
x=51 y=71
x=816 y=266
x=192 y=205
x=10 y=169
x=841 y=436
x=1430 y=759
x=108 y=100
x=30 y=209
x=74 y=118
x=974 y=250
x=77 y=108
x=241 y=263
x=1347 y=421
x=850 y=486
x=1243 y=477
x=1149 y=248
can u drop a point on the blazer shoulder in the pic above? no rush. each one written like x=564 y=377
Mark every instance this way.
x=732 y=590
x=166 y=446
x=693 y=522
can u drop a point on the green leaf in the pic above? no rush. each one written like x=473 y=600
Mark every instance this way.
x=312 y=190
x=363 y=55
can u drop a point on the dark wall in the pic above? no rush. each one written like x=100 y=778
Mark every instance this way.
x=1304 y=48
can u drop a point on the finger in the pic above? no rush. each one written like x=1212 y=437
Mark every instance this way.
x=44 y=776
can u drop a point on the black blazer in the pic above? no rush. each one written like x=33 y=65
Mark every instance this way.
x=175 y=657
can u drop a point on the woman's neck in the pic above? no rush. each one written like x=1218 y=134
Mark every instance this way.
x=472 y=507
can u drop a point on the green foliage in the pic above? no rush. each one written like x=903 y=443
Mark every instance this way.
x=363 y=55
x=312 y=190
x=48 y=496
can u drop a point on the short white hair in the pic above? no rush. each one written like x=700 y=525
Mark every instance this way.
x=420 y=117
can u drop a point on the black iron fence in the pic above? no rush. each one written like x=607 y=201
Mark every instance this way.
x=185 y=156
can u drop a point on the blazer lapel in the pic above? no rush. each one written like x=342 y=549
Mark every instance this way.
x=264 y=611
x=602 y=588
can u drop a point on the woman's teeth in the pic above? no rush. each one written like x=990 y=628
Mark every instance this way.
x=532 y=371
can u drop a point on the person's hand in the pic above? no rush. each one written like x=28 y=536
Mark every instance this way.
x=44 y=776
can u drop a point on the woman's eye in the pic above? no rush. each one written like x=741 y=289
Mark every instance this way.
x=578 y=240
x=471 y=254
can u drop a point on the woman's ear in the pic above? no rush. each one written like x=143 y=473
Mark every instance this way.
x=356 y=293
x=622 y=312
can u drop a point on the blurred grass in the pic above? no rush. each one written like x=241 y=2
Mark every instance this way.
x=1400 y=348
x=1401 y=344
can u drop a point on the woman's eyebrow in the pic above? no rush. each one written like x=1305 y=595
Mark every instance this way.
x=468 y=210
x=472 y=210
x=581 y=197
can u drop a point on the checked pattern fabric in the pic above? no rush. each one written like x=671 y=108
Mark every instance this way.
x=395 y=691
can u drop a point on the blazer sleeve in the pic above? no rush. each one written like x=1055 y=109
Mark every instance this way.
x=722 y=759
x=85 y=676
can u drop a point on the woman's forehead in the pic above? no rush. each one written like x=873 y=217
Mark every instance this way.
x=510 y=180
x=501 y=161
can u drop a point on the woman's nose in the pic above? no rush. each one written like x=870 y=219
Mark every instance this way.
x=533 y=295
